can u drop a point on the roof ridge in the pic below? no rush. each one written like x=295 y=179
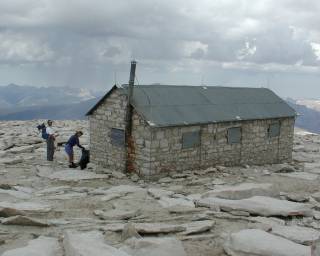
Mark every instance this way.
x=195 y=86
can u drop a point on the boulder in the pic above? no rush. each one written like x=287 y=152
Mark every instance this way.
x=258 y=205
x=41 y=246
x=255 y=242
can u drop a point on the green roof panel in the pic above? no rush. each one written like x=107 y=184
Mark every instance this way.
x=163 y=105
x=173 y=105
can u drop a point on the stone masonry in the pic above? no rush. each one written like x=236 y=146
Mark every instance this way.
x=159 y=150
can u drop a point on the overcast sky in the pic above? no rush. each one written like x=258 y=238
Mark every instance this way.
x=89 y=43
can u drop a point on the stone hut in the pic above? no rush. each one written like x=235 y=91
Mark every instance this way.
x=176 y=128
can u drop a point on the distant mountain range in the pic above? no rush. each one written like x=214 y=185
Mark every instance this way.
x=308 y=118
x=28 y=102
x=75 y=111
x=12 y=96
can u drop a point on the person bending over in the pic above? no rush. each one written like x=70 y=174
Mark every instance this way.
x=73 y=140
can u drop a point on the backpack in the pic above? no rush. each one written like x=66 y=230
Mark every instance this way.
x=85 y=159
x=42 y=127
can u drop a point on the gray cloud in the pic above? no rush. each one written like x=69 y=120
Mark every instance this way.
x=82 y=43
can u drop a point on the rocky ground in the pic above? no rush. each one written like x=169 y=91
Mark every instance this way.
x=49 y=209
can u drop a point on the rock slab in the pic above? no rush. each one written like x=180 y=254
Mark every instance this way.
x=259 y=205
x=255 y=242
x=41 y=246
x=241 y=191
x=154 y=246
x=90 y=243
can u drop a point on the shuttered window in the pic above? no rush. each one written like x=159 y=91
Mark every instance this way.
x=117 y=137
x=190 y=139
x=274 y=130
x=234 y=135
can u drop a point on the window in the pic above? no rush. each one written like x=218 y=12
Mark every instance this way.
x=117 y=137
x=234 y=135
x=190 y=139
x=274 y=130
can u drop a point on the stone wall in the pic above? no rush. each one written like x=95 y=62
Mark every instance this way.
x=256 y=147
x=156 y=150
x=110 y=114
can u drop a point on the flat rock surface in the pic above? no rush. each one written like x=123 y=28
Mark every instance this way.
x=28 y=207
x=33 y=189
x=154 y=246
x=90 y=243
x=149 y=228
x=116 y=214
x=76 y=175
x=263 y=206
x=41 y=246
x=254 y=242
x=301 y=175
x=301 y=235
x=240 y=191
x=167 y=202
x=158 y=193
x=197 y=227
x=23 y=221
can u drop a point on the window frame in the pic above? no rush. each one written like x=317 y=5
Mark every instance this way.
x=191 y=140
x=116 y=133
x=276 y=134
x=232 y=142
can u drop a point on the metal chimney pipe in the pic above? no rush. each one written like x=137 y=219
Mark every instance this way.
x=131 y=80
x=128 y=130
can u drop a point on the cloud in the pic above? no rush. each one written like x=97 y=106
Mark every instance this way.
x=17 y=49
x=164 y=36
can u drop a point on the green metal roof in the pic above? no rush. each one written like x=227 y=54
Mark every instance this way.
x=169 y=105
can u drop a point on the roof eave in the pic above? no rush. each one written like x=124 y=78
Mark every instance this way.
x=101 y=100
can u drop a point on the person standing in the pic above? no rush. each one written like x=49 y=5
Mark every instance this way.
x=50 y=140
x=73 y=140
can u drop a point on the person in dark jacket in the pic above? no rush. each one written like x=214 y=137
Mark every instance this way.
x=50 y=140
x=73 y=140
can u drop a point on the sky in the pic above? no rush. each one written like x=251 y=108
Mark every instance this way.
x=89 y=44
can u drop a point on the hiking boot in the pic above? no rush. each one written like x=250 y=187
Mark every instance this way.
x=72 y=165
